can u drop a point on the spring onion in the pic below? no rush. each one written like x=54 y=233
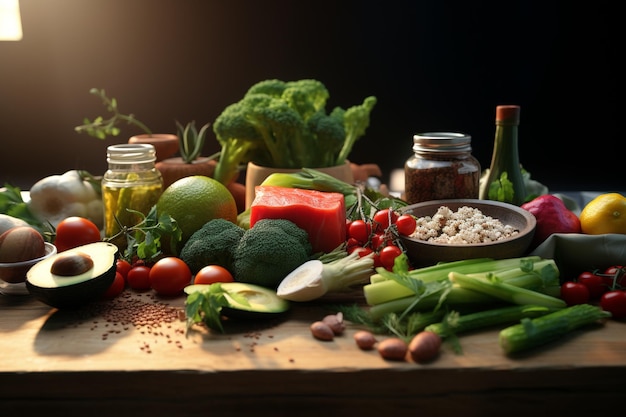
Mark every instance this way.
x=316 y=277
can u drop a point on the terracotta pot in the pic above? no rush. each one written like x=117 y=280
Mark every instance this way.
x=256 y=174
x=165 y=144
x=173 y=169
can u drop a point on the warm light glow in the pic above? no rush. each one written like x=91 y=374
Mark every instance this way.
x=10 y=21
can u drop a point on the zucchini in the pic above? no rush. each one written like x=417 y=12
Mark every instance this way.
x=530 y=333
x=481 y=319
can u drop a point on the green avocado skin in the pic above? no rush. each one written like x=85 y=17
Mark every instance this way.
x=78 y=294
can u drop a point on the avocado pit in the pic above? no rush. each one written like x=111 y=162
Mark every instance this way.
x=71 y=264
x=74 y=277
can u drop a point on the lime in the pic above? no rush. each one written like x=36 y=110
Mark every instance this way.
x=192 y=201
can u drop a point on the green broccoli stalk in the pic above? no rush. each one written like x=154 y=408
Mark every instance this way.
x=356 y=120
x=270 y=250
x=285 y=125
x=336 y=271
x=212 y=244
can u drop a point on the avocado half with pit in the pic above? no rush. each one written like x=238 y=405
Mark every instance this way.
x=74 y=277
x=247 y=301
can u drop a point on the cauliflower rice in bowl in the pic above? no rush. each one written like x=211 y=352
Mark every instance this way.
x=452 y=230
x=466 y=225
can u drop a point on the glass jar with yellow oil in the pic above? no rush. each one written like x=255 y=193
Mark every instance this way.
x=131 y=183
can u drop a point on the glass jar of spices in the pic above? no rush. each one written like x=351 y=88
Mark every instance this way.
x=131 y=182
x=442 y=167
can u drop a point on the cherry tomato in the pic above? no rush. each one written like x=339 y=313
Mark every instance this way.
x=363 y=251
x=169 y=276
x=406 y=224
x=378 y=241
x=615 y=277
x=615 y=303
x=123 y=266
x=213 y=273
x=75 y=231
x=574 y=293
x=116 y=287
x=388 y=255
x=138 y=278
x=594 y=283
x=360 y=230
x=383 y=219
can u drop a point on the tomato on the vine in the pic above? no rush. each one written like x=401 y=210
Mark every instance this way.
x=378 y=241
x=360 y=231
x=406 y=224
x=594 y=283
x=383 y=219
x=615 y=303
x=169 y=276
x=388 y=255
x=574 y=293
x=615 y=277
x=75 y=231
x=211 y=274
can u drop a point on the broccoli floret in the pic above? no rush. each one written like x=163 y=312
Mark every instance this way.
x=274 y=88
x=330 y=134
x=269 y=251
x=356 y=119
x=240 y=138
x=212 y=244
x=285 y=125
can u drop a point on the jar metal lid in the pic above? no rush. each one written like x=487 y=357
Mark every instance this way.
x=131 y=153
x=442 y=142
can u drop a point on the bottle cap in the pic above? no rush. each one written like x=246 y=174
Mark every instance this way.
x=131 y=153
x=434 y=142
x=508 y=114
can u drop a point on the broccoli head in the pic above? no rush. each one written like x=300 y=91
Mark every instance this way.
x=282 y=124
x=212 y=244
x=270 y=250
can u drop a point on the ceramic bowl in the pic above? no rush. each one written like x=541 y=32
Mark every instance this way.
x=15 y=272
x=423 y=253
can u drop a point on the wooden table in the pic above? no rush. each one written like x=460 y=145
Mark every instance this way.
x=78 y=363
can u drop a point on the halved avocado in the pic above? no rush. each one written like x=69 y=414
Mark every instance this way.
x=247 y=301
x=74 y=277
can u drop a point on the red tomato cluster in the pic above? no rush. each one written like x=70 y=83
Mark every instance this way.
x=380 y=235
x=168 y=276
x=607 y=287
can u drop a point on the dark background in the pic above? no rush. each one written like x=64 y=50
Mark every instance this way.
x=433 y=65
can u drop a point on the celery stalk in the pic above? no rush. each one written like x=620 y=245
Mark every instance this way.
x=383 y=287
x=495 y=287
x=457 y=297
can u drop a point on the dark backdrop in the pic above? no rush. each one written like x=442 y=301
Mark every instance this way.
x=434 y=65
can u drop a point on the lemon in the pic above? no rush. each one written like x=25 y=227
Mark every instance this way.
x=192 y=201
x=604 y=214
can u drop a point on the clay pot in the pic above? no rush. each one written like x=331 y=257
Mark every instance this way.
x=173 y=169
x=165 y=144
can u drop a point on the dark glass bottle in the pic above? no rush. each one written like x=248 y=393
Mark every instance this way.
x=505 y=181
